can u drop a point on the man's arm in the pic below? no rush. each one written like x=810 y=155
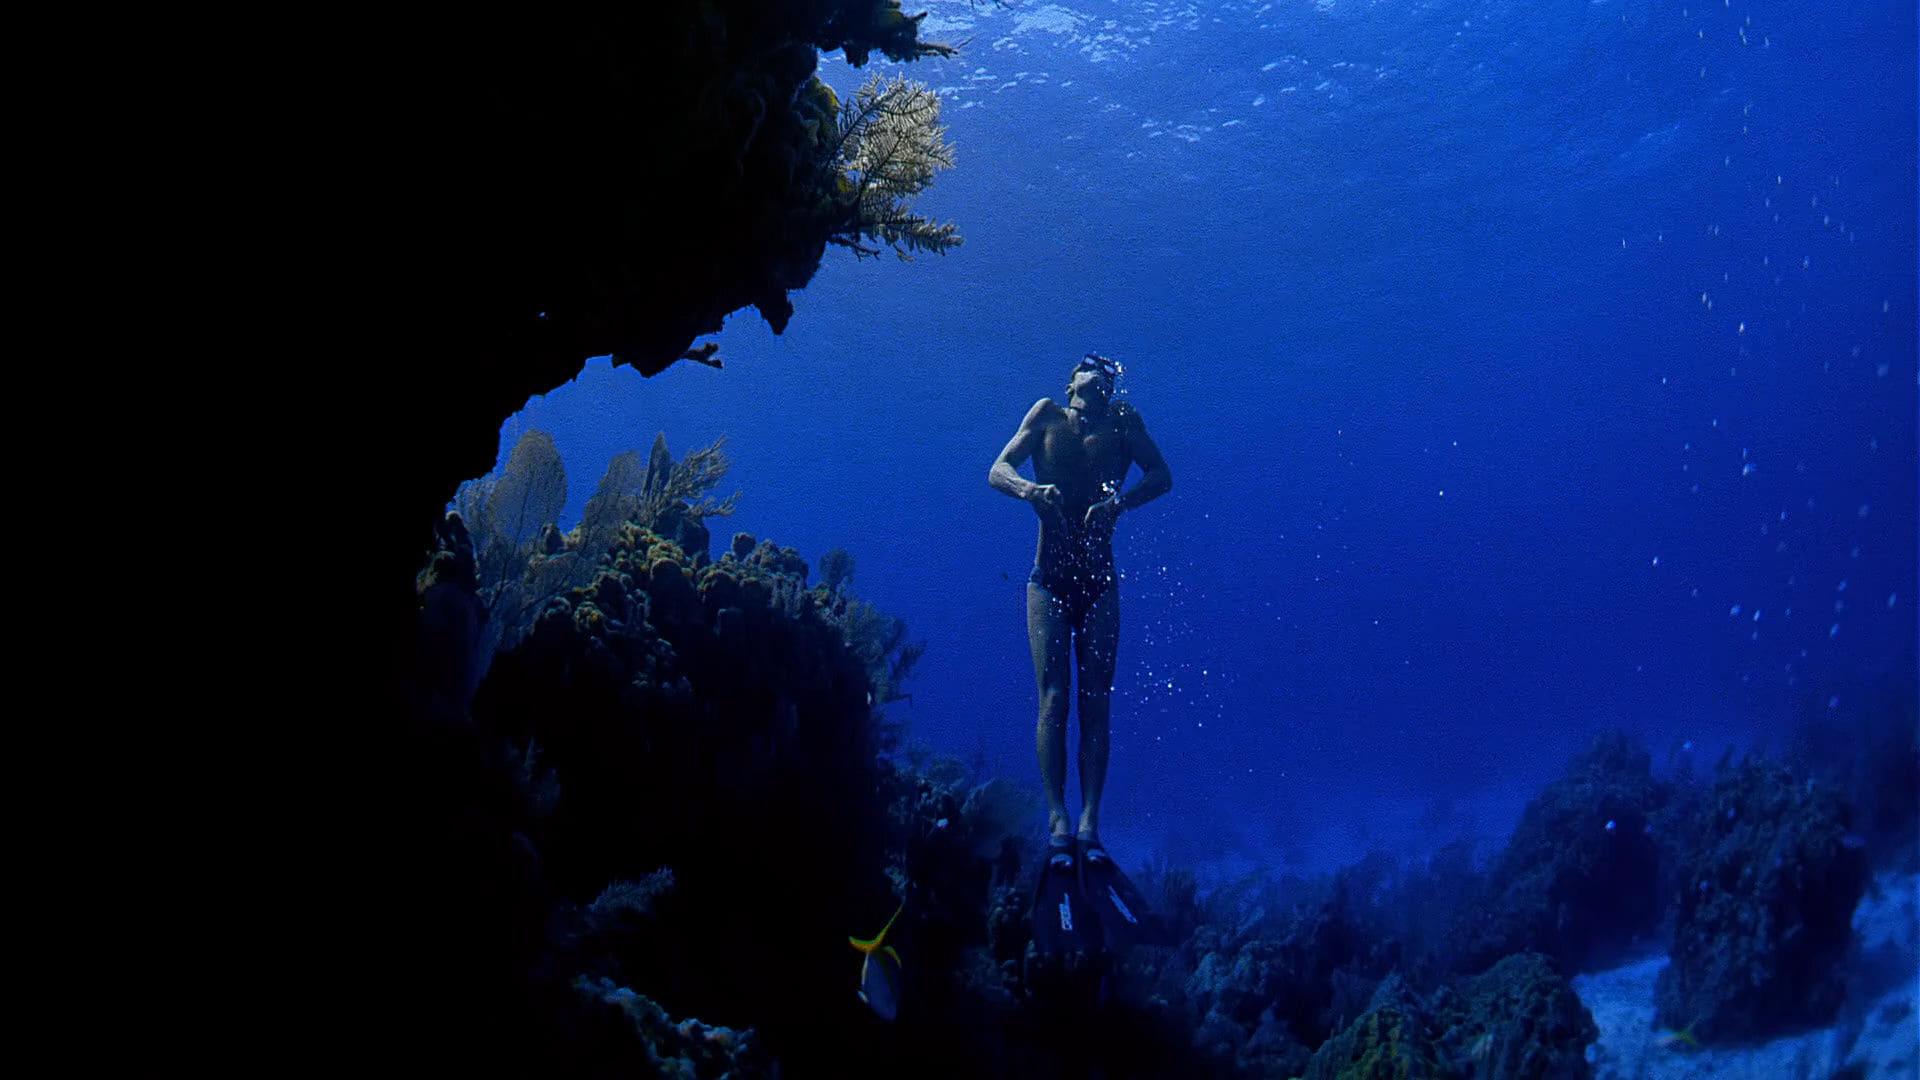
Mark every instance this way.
x=1005 y=474
x=1156 y=479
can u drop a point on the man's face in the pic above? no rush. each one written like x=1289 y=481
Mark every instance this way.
x=1090 y=382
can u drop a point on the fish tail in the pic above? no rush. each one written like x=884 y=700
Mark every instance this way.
x=869 y=945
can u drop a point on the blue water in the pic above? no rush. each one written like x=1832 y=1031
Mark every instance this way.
x=1524 y=370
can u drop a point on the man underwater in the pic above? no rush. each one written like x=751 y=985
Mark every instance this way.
x=1081 y=453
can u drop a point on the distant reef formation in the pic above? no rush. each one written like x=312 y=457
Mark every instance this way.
x=1769 y=879
x=1580 y=878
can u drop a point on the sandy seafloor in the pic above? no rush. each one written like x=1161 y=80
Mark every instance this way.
x=1877 y=1032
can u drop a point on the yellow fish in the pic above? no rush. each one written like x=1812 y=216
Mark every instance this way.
x=880 y=974
x=1677 y=1040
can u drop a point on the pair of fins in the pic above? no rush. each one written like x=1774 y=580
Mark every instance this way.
x=1087 y=906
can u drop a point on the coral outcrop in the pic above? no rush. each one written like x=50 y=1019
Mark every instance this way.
x=1768 y=885
x=1865 y=743
x=1519 y=1020
x=1580 y=878
x=1395 y=1037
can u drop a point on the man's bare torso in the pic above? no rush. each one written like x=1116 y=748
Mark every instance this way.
x=1086 y=458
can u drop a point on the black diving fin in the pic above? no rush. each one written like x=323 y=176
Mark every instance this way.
x=1064 y=922
x=1125 y=919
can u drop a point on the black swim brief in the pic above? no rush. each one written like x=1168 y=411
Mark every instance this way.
x=1075 y=588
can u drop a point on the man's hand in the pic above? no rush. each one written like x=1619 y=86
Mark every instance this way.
x=1048 y=502
x=1101 y=515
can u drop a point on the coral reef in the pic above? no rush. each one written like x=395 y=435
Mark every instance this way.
x=674 y=499
x=1865 y=741
x=677 y=792
x=678 y=742
x=1520 y=1020
x=625 y=1028
x=451 y=643
x=543 y=190
x=676 y=803
x=1580 y=878
x=510 y=196
x=1270 y=966
x=836 y=569
x=524 y=560
x=1769 y=882
x=1395 y=1037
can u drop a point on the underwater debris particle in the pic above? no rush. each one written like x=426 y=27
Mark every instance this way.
x=1833 y=631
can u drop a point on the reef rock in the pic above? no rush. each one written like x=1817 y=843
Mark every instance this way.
x=1580 y=879
x=1395 y=1037
x=1768 y=888
x=1520 y=1020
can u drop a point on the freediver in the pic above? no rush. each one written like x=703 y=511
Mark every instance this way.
x=1081 y=454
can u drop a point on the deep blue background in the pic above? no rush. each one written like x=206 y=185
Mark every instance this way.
x=1449 y=318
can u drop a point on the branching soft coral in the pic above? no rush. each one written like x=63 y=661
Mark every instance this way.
x=684 y=486
x=890 y=144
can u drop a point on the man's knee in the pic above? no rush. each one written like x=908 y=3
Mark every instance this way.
x=1093 y=713
x=1053 y=704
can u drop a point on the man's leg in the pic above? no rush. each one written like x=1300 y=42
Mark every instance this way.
x=1097 y=649
x=1047 y=635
